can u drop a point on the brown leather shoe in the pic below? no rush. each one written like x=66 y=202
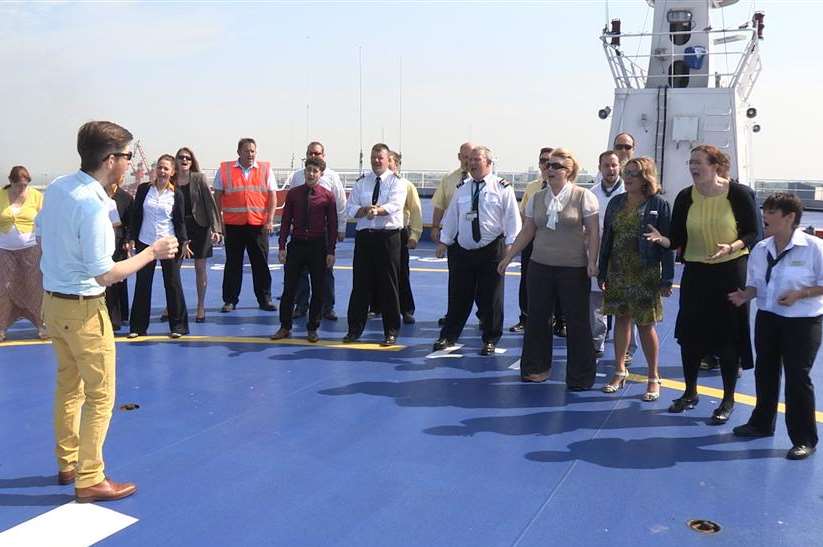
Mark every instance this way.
x=66 y=477
x=280 y=334
x=535 y=377
x=107 y=490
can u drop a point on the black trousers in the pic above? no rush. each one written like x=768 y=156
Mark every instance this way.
x=376 y=269
x=523 y=298
x=572 y=286
x=474 y=276
x=117 y=294
x=794 y=341
x=175 y=301
x=301 y=297
x=301 y=255
x=406 y=296
x=254 y=241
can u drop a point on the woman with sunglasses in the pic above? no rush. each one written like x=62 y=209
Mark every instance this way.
x=21 y=283
x=634 y=272
x=157 y=213
x=562 y=222
x=202 y=221
x=714 y=224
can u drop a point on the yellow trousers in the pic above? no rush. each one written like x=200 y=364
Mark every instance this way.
x=83 y=342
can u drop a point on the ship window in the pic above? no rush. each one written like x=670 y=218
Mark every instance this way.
x=679 y=21
x=679 y=74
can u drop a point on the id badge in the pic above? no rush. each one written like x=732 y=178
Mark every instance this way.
x=470 y=216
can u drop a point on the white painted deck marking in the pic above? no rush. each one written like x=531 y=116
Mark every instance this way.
x=446 y=353
x=515 y=365
x=70 y=525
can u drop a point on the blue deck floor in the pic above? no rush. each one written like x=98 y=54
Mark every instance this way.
x=242 y=441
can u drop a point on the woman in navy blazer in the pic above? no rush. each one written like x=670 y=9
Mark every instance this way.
x=158 y=212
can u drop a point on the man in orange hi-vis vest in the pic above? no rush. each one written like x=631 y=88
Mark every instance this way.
x=245 y=194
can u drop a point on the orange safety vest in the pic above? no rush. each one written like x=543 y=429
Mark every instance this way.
x=245 y=200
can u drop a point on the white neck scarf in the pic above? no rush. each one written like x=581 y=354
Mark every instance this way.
x=555 y=204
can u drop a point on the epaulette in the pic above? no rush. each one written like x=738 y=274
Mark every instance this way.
x=360 y=177
x=505 y=183
x=460 y=184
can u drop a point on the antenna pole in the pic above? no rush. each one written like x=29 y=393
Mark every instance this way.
x=360 y=57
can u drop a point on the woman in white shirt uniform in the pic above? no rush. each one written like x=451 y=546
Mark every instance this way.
x=785 y=274
x=158 y=212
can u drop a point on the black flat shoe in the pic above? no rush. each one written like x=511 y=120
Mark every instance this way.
x=408 y=319
x=799 y=452
x=683 y=403
x=519 y=328
x=577 y=388
x=442 y=343
x=748 y=430
x=389 y=340
x=487 y=349
x=350 y=338
x=227 y=307
x=267 y=306
x=721 y=414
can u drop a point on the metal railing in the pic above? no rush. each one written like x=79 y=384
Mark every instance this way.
x=629 y=74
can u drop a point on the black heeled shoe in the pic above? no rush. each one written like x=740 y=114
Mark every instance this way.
x=683 y=403
x=721 y=414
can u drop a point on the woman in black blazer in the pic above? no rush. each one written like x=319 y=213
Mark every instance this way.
x=203 y=224
x=158 y=212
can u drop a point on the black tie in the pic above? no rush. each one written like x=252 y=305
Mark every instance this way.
x=615 y=186
x=307 y=218
x=543 y=185
x=376 y=193
x=773 y=262
x=476 y=210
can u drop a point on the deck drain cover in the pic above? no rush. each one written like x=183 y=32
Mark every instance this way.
x=129 y=406
x=704 y=526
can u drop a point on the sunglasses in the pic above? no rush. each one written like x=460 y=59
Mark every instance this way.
x=545 y=161
x=623 y=146
x=181 y=157
x=127 y=155
x=555 y=166
x=628 y=173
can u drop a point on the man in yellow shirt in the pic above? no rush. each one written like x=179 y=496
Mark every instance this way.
x=531 y=189
x=409 y=236
x=443 y=195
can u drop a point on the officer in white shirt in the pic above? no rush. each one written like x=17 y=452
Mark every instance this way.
x=330 y=181
x=376 y=201
x=785 y=274
x=483 y=218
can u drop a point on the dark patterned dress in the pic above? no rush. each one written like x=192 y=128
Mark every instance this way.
x=632 y=288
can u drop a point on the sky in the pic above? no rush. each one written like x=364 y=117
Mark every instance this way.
x=512 y=75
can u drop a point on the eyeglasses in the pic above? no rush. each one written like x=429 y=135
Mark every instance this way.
x=628 y=173
x=126 y=155
x=623 y=146
x=181 y=157
x=556 y=166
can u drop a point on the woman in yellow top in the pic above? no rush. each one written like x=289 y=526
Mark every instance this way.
x=21 y=283
x=714 y=224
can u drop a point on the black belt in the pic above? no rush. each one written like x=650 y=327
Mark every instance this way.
x=75 y=296
x=376 y=231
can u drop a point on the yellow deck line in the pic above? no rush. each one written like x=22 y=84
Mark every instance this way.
x=333 y=344
x=716 y=393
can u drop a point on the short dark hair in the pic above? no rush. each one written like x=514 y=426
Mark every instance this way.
x=245 y=140
x=634 y=141
x=604 y=154
x=785 y=202
x=19 y=172
x=379 y=147
x=320 y=163
x=316 y=143
x=97 y=140
x=546 y=150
